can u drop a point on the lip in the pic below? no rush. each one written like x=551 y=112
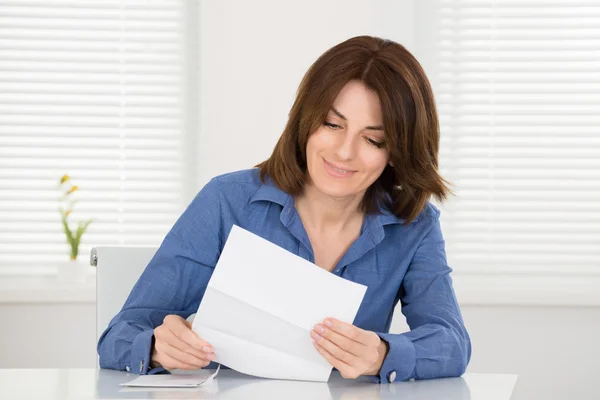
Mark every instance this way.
x=330 y=168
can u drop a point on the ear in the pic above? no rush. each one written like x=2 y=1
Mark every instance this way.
x=391 y=164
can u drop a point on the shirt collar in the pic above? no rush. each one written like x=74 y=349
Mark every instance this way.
x=386 y=217
x=269 y=191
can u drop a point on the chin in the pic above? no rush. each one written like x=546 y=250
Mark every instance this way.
x=334 y=189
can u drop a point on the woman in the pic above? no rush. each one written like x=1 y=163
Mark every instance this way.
x=347 y=187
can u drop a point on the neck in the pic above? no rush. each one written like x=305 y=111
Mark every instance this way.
x=326 y=214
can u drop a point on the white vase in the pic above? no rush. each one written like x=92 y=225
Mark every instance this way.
x=73 y=271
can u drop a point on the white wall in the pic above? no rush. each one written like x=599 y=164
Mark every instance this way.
x=48 y=335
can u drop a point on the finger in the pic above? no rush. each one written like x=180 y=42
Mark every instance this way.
x=345 y=369
x=181 y=356
x=356 y=348
x=183 y=332
x=350 y=331
x=335 y=350
x=170 y=338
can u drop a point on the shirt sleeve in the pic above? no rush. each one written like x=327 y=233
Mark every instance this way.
x=438 y=344
x=173 y=282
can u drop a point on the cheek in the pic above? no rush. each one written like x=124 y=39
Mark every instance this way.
x=375 y=162
x=316 y=143
x=313 y=145
x=322 y=138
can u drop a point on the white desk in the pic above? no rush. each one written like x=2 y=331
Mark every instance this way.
x=83 y=384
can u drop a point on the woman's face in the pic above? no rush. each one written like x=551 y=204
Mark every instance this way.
x=347 y=153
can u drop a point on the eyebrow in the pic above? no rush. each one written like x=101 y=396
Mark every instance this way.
x=372 y=128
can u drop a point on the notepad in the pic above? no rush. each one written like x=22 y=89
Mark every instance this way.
x=261 y=303
x=172 y=380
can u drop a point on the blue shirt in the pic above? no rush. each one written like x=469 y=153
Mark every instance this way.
x=395 y=262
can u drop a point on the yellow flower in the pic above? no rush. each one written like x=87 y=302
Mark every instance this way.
x=74 y=188
x=68 y=212
x=64 y=178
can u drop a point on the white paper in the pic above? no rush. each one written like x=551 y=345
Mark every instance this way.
x=261 y=303
x=172 y=380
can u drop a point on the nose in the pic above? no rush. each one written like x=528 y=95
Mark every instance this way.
x=347 y=147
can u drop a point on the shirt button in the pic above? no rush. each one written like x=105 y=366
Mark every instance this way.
x=127 y=368
x=391 y=376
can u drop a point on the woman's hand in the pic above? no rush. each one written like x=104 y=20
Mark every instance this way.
x=176 y=345
x=353 y=351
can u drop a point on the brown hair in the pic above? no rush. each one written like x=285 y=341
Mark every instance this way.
x=410 y=123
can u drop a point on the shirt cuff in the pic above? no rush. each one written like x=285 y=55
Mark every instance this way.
x=400 y=360
x=141 y=348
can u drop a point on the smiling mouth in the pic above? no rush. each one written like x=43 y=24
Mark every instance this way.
x=337 y=170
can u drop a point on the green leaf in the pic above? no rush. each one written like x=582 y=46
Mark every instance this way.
x=70 y=238
x=81 y=229
x=67 y=229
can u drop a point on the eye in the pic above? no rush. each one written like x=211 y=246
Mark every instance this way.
x=329 y=124
x=375 y=143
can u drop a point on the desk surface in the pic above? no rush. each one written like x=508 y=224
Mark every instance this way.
x=85 y=384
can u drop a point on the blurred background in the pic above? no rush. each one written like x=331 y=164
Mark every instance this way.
x=140 y=103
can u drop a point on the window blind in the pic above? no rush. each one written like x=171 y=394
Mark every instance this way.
x=92 y=89
x=517 y=85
